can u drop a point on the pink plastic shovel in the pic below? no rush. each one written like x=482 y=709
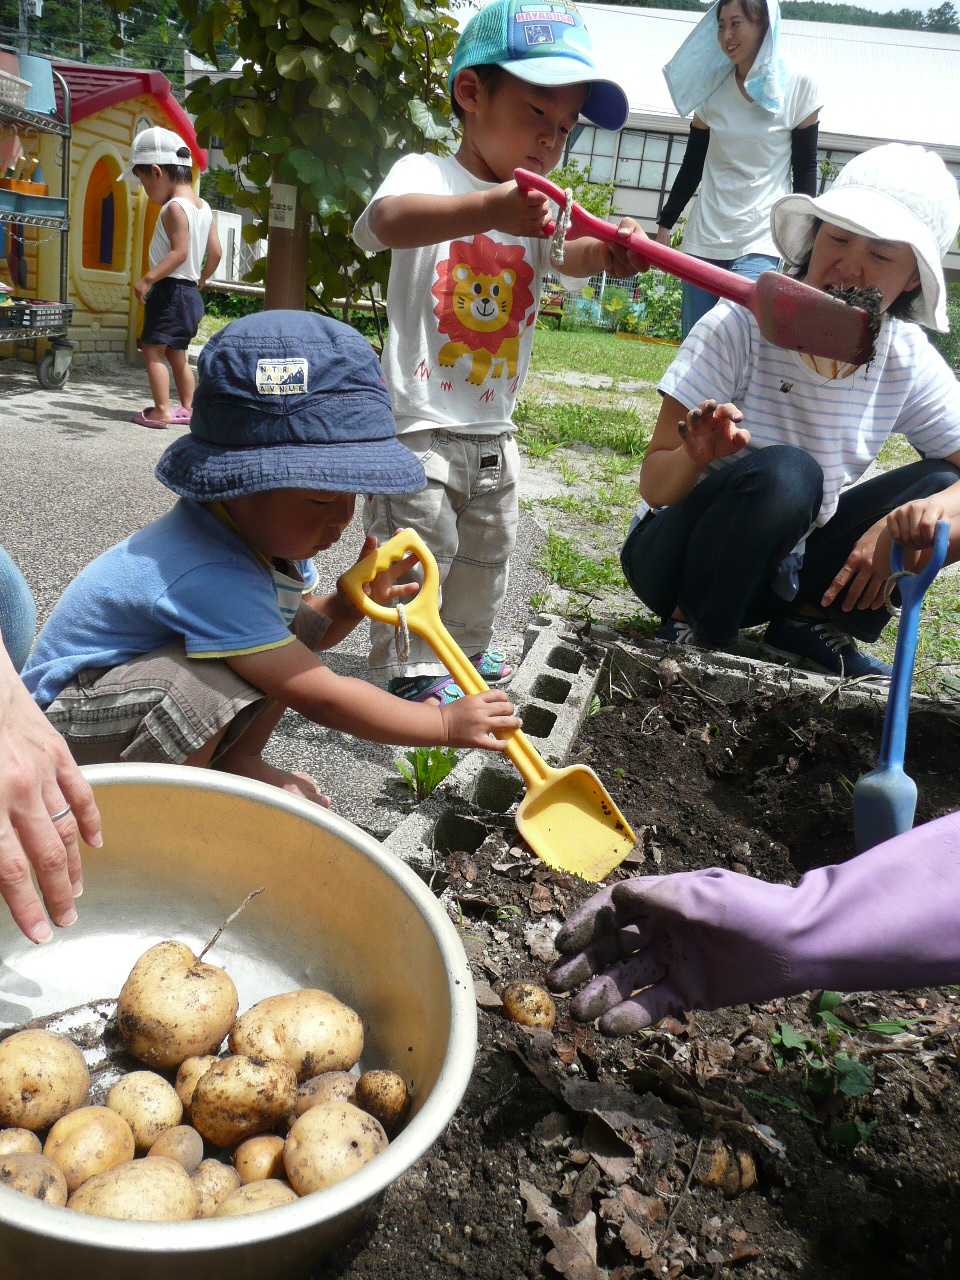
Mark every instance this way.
x=790 y=313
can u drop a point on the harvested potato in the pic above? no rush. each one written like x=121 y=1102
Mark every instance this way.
x=213 y=1182
x=183 y=1144
x=32 y=1174
x=188 y=1073
x=238 y=1098
x=259 y=1158
x=22 y=1140
x=42 y=1077
x=157 y=1190
x=255 y=1198
x=332 y=1086
x=327 y=1144
x=312 y=1030
x=88 y=1141
x=174 y=1006
x=529 y=1005
x=148 y=1103
x=383 y=1095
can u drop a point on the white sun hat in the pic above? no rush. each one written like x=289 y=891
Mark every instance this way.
x=894 y=192
x=156 y=146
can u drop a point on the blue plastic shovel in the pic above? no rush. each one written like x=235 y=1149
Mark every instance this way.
x=885 y=800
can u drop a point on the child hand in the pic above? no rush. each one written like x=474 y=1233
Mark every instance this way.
x=141 y=289
x=516 y=212
x=712 y=431
x=620 y=260
x=384 y=589
x=471 y=720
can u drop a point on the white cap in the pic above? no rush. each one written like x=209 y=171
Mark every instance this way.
x=157 y=146
x=894 y=192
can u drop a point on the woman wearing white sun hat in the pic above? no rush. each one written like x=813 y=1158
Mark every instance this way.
x=751 y=510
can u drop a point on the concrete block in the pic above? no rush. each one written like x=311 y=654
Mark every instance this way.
x=553 y=688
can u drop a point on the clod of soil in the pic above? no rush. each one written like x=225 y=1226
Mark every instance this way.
x=867 y=300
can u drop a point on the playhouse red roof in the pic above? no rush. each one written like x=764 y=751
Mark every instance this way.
x=94 y=88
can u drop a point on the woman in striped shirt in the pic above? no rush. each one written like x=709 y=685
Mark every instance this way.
x=752 y=512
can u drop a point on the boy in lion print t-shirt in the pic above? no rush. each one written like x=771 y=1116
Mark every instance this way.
x=469 y=250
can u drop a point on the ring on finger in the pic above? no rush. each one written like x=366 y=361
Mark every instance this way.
x=55 y=817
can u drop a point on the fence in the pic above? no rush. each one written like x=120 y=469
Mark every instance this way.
x=646 y=305
x=238 y=256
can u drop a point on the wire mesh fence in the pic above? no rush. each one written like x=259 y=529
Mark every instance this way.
x=646 y=305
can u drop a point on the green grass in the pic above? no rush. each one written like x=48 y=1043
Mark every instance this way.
x=594 y=352
x=543 y=425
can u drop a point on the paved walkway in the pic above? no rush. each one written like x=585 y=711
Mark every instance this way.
x=77 y=476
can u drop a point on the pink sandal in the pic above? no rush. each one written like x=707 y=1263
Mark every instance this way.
x=142 y=420
x=180 y=414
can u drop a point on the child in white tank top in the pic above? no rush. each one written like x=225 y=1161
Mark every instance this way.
x=184 y=253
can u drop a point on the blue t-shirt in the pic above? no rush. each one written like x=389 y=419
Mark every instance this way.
x=185 y=576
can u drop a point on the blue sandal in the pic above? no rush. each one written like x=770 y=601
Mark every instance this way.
x=493 y=666
x=439 y=689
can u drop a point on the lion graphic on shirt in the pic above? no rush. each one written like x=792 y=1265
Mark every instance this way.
x=483 y=295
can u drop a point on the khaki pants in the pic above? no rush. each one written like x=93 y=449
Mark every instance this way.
x=467 y=515
x=162 y=707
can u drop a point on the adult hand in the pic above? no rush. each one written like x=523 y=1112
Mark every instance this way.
x=712 y=431
x=516 y=212
x=660 y=945
x=38 y=778
x=860 y=580
x=914 y=524
x=141 y=289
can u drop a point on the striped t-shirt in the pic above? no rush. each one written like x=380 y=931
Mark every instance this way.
x=843 y=422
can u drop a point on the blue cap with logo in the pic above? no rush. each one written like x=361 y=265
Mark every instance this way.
x=289 y=400
x=543 y=44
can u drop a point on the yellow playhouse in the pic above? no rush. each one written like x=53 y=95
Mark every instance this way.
x=111 y=222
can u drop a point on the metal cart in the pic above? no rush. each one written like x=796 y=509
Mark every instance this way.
x=50 y=321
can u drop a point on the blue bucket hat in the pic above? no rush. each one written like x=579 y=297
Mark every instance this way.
x=544 y=44
x=289 y=400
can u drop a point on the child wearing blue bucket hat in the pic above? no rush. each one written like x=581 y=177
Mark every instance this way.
x=468 y=252
x=185 y=643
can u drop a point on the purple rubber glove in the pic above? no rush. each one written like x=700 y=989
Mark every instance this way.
x=888 y=919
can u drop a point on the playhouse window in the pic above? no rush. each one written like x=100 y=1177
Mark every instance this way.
x=103 y=219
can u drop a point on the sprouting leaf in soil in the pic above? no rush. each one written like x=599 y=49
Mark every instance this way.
x=855 y=1078
x=787 y=1104
x=850 y=1133
x=424 y=768
x=788 y=1038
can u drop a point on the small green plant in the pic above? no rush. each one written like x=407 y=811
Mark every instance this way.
x=422 y=769
x=540 y=601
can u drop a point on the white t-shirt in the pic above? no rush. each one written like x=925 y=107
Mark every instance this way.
x=461 y=313
x=746 y=170
x=843 y=422
x=199 y=219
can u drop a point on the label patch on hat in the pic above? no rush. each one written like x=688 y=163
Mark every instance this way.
x=282 y=377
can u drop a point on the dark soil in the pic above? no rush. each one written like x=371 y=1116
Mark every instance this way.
x=598 y=1159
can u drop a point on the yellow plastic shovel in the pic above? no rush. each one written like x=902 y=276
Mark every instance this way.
x=567 y=817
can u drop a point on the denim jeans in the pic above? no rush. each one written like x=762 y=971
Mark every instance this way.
x=18 y=613
x=714 y=554
x=696 y=302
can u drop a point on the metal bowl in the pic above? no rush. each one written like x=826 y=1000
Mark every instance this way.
x=182 y=849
